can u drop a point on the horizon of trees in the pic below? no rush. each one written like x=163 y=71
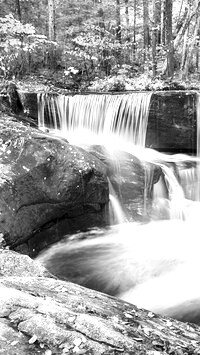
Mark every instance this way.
x=98 y=39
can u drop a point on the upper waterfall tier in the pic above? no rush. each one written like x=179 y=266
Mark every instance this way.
x=98 y=116
x=165 y=121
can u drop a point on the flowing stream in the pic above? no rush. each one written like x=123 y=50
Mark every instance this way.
x=153 y=265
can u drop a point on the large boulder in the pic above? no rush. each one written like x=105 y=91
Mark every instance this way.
x=45 y=182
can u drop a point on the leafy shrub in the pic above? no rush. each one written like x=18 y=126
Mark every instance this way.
x=20 y=47
x=112 y=83
x=139 y=83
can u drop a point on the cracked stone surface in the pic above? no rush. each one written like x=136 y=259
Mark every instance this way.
x=42 y=315
x=39 y=314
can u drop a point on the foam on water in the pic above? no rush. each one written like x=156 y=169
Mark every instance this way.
x=151 y=265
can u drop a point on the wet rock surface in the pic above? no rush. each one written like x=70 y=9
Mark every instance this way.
x=131 y=179
x=44 y=180
x=172 y=123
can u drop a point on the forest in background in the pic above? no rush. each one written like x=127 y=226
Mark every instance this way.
x=110 y=45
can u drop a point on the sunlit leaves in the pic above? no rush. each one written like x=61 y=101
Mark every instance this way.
x=18 y=45
x=10 y=26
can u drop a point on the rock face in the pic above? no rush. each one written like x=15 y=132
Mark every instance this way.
x=29 y=103
x=14 y=264
x=40 y=315
x=45 y=180
x=9 y=98
x=172 y=124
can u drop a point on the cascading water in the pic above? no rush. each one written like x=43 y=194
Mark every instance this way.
x=112 y=121
x=116 y=212
x=92 y=118
x=154 y=264
x=118 y=122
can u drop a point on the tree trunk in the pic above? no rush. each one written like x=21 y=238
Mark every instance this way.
x=187 y=18
x=51 y=10
x=18 y=10
x=146 y=37
x=178 y=24
x=169 y=40
x=197 y=46
x=118 y=31
x=184 y=52
x=162 y=30
x=127 y=20
x=105 y=63
x=52 y=33
x=134 y=28
x=189 y=58
x=155 y=33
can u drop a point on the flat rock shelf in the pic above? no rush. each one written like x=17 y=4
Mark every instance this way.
x=41 y=315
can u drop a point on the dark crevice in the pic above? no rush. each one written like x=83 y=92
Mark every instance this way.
x=71 y=214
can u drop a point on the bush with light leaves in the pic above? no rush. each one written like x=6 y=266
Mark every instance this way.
x=21 y=49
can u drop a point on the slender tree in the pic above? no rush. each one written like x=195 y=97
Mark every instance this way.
x=169 y=39
x=18 y=10
x=127 y=20
x=51 y=57
x=134 y=27
x=197 y=45
x=51 y=11
x=118 y=30
x=105 y=65
x=155 y=33
x=191 y=47
x=146 y=36
x=118 y=22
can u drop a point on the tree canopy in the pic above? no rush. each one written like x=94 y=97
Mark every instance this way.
x=101 y=44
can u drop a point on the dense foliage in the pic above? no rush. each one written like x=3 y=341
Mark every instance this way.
x=101 y=45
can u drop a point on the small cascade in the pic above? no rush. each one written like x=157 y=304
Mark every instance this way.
x=116 y=213
x=177 y=192
x=176 y=198
x=47 y=108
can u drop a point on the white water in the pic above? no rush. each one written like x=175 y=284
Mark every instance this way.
x=153 y=265
x=93 y=119
x=119 y=122
x=115 y=209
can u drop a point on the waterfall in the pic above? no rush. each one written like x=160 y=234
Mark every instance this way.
x=97 y=118
x=119 y=122
x=113 y=121
x=153 y=265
